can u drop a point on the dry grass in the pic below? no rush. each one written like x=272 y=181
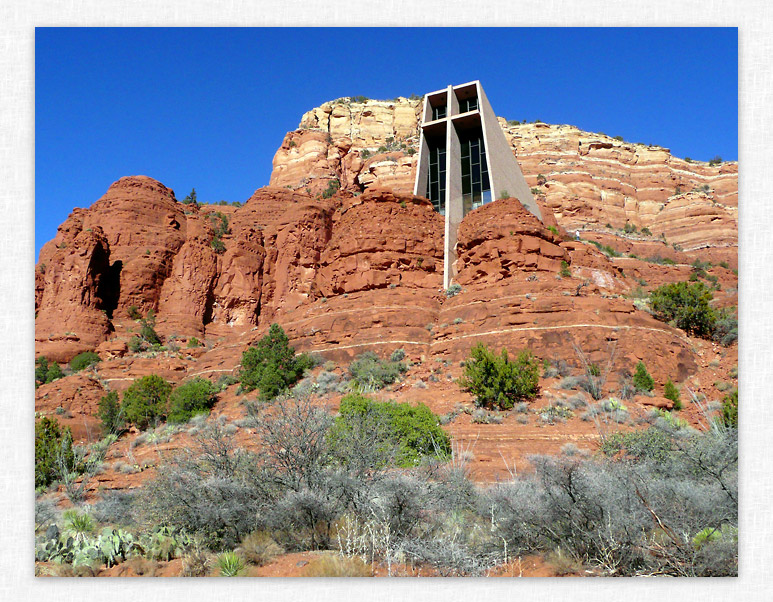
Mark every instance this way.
x=563 y=564
x=333 y=565
x=259 y=548
x=142 y=566
x=196 y=562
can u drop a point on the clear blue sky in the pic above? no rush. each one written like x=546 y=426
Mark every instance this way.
x=207 y=108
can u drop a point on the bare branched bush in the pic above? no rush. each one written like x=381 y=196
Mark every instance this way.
x=595 y=377
x=658 y=500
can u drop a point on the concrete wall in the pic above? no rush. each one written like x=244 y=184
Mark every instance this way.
x=454 y=206
x=504 y=171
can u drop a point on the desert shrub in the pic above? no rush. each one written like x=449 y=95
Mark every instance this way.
x=304 y=518
x=110 y=414
x=726 y=327
x=371 y=373
x=659 y=260
x=193 y=342
x=730 y=409
x=495 y=381
x=53 y=451
x=652 y=443
x=218 y=246
x=453 y=290
x=570 y=383
x=145 y=401
x=45 y=513
x=398 y=355
x=577 y=401
x=210 y=490
x=601 y=510
x=565 y=271
x=626 y=390
x=333 y=565
x=716 y=160
x=396 y=431
x=332 y=188
x=687 y=305
x=46 y=372
x=606 y=249
x=646 y=231
x=224 y=381
x=135 y=344
x=115 y=507
x=197 y=396
x=148 y=332
x=642 y=379
x=271 y=366
x=671 y=392
x=548 y=369
x=325 y=383
x=554 y=413
x=134 y=313
x=565 y=564
x=84 y=360
x=629 y=228
x=219 y=223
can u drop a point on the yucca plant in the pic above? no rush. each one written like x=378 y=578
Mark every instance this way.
x=78 y=524
x=230 y=564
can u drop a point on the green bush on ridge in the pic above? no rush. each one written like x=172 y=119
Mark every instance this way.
x=370 y=373
x=46 y=372
x=84 y=360
x=642 y=379
x=53 y=451
x=271 y=366
x=495 y=381
x=687 y=305
x=197 y=396
x=414 y=431
x=110 y=414
x=145 y=401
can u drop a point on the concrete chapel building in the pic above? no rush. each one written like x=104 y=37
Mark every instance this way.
x=465 y=161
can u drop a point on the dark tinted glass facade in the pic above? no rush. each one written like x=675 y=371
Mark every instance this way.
x=436 y=183
x=476 y=188
x=438 y=112
x=468 y=104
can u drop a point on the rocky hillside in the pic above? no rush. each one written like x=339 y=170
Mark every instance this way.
x=360 y=269
x=587 y=180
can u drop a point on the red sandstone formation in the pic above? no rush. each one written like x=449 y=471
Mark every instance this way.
x=362 y=271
